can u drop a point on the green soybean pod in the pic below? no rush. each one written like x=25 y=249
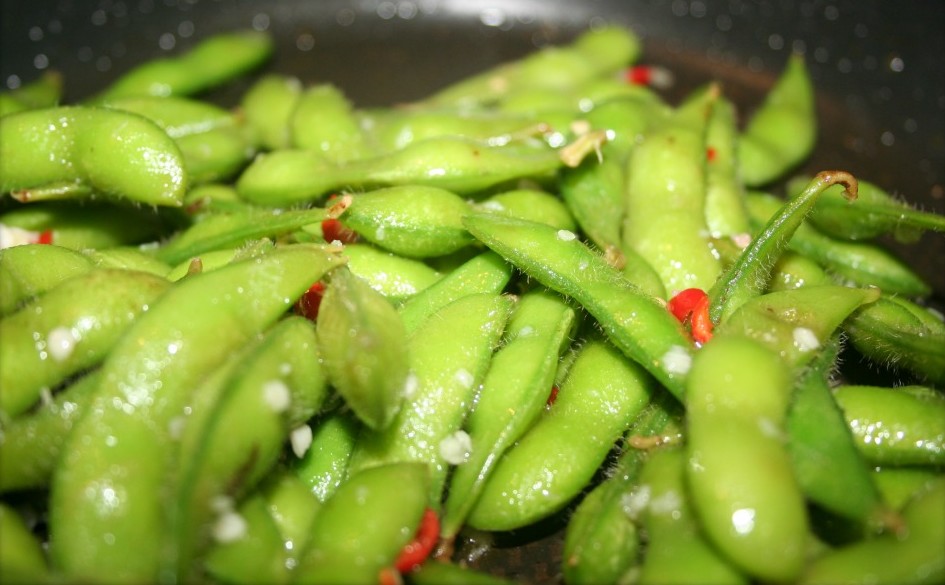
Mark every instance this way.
x=827 y=464
x=267 y=107
x=32 y=443
x=236 y=441
x=75 y=151
x=215 y=155
x=123 y=444
x=782 y=131
x=67 y=330
x=669 y=166
x=396 y=277
x=634 y=321
x=29 y=270
x=323 y=120
x=324 y=465
x=43 y=92
x=211 y=62
x=22 y=559
x=725 y=211
x=895 y=426
x=293 y=507
x=602 y=394
x=449 y=355
x=513 y=394
x=362 y=343
x=676 y=550
x=363 y=526
x=899 y=484
x=248 y=547
x=129 y=258
x=484 y=273
x=461 y=165
x=413 y=221
x=914 y=557
x=739 y=472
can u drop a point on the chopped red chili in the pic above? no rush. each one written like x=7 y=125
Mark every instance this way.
x=649 y=75
x=692 y=305
x=45 y=237
x=310 y=301
x=552 y=396
x=333 y=229
x=710 y=153
x=417 y=551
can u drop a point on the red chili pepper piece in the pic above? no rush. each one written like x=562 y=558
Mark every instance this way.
x=45 y=237
x=552 y=396
x=308 y=303
x=639 y=75
x=692 y=304
x=650 y=75
x=389 y=576
x=416 y=551
x=710 y=154
x=333 y=229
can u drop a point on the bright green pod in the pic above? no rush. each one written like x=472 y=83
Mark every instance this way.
x=902 y=335
x=875 y=213
x=68 y=330
x=862 y=263
x=212 y=198
x=899 y=484
x=22 y=559
x=215 y=155
x=676 y=550
x=234 y=436
x=43 y=92
x=634 y=321
x=513 y=394
x=395 y=129
x=203 y=262
x=248 y=548
x=530 y=204
x=29 y=270
x=323 y=120
x=83 y=225
x=75 y=151
x=449 y=355
x=750 y=273
x=396 y=277
x=668 y=166
x=123 y=444
x=178 y=116
x=211 y=62
x=725 y=211
x=739 y=472
x=484 y=273
x=793 y=270
x=827 y=464
x=552 y=462
x=293 y=507
x=895 y=426
x=267 y=107
x=324 y=465
x=795 y=323
x=362 y=344
x=410 y=220
x=594 y=194
x=782 y=131
x=602 y=540
x=464 y=166
x=231 y=230
x=32 y=443
x=364 y=525
x=916 y=556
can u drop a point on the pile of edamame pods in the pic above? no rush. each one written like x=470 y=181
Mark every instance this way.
x=299 y=341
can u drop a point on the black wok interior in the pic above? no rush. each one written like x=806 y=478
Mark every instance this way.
x=877 y=66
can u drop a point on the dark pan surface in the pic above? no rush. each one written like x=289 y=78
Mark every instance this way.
x=877 y=66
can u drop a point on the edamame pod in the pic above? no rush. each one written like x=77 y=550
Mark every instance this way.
x=249 y=548
x=362 y=342
x=323 y=120
x=67 y=330
x=725 y=212
x=513 y=394
x=634 y=321
x=783 y=129
x=895 y=426
x=267 y=107
x=602 y=394
x=22 y=559
x=324 y=465
x=448 y=357
x=394 y=276
x=75 y=151
x=209 y=63
x=123 y=446
x=29 y=270
x=530 y=204
x=739 y=472
x=44 y=92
